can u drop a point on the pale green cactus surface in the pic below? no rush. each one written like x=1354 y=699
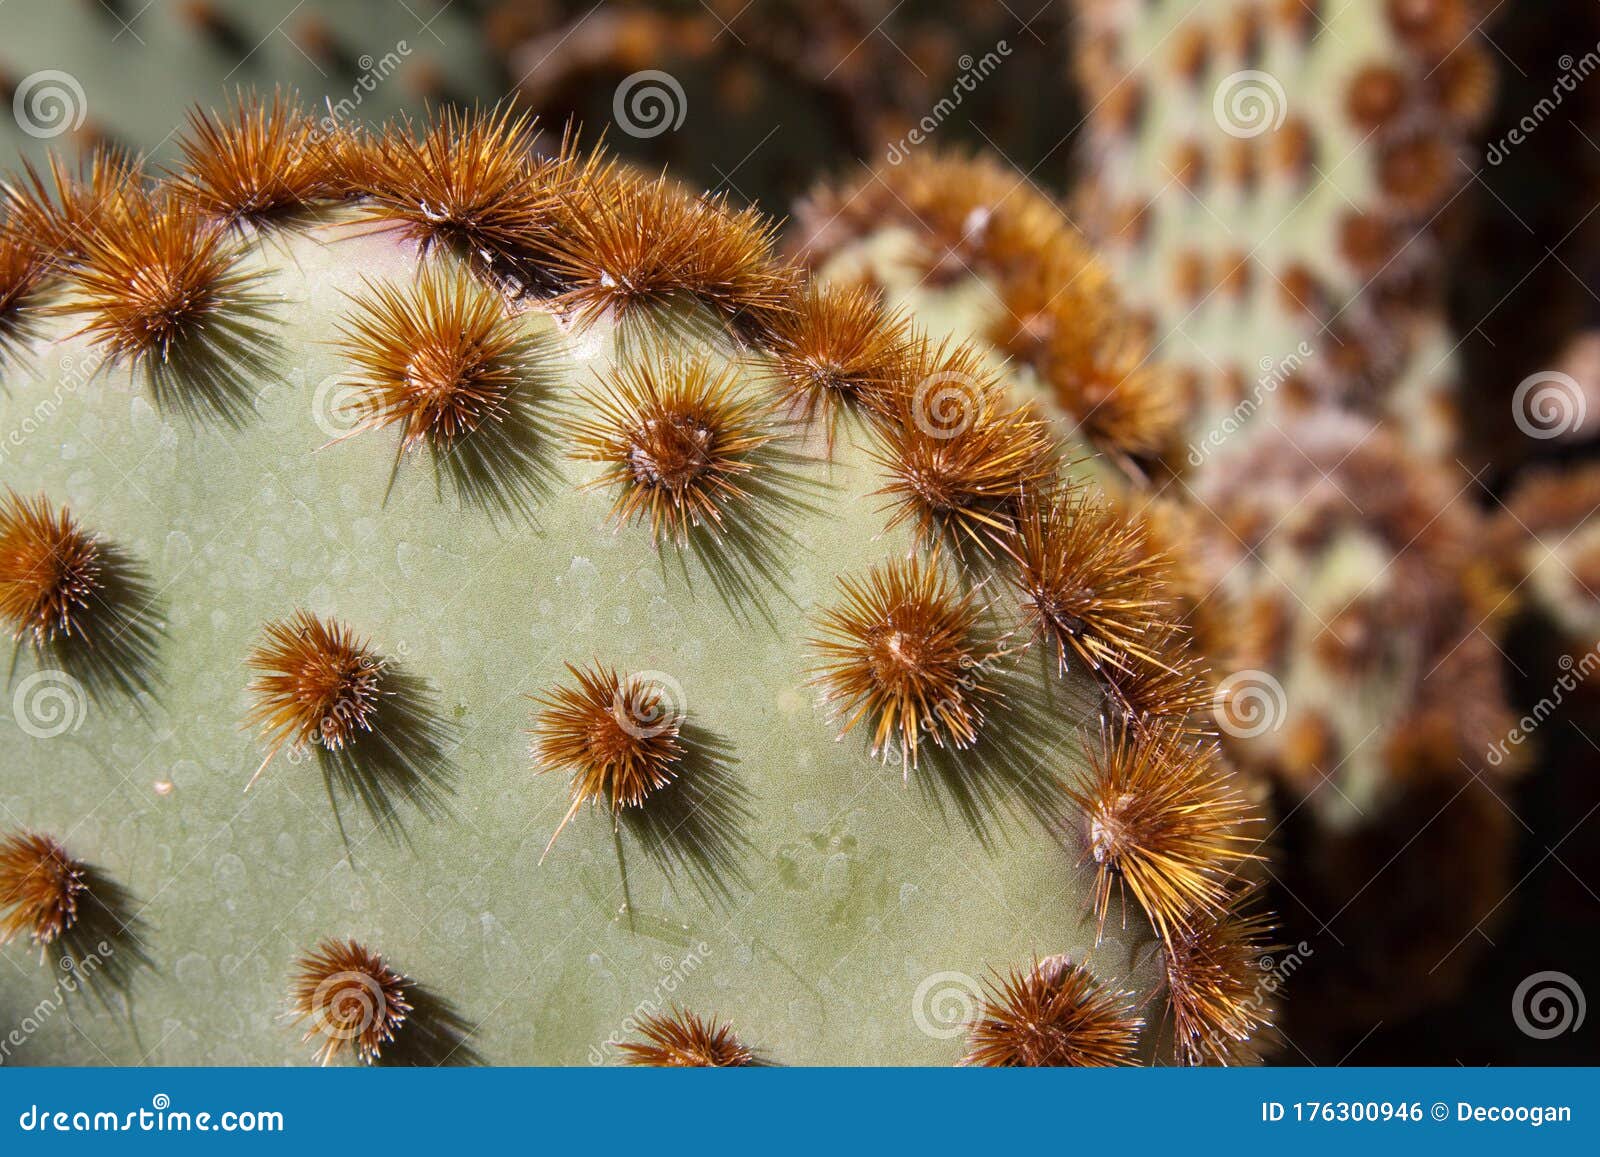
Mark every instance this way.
x=833 y=908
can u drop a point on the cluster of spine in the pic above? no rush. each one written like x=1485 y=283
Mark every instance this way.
x=1099 y=592
x=1336 y=588
x=1058 y=313
x=1112 y=602
x=1010 y=554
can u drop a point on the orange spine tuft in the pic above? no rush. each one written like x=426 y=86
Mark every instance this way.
x=678 y=443
x=1054 y=1014
x=40 y=888
x=355 y=1002
x=680 y=1039
x=1163 y=818
x=905 y=652
x=49 y=570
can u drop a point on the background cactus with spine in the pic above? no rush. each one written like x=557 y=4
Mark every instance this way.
x=623 y=639
x=1278 y=185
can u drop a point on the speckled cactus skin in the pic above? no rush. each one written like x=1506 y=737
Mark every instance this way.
x=1282 y=216
x=813 y=921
